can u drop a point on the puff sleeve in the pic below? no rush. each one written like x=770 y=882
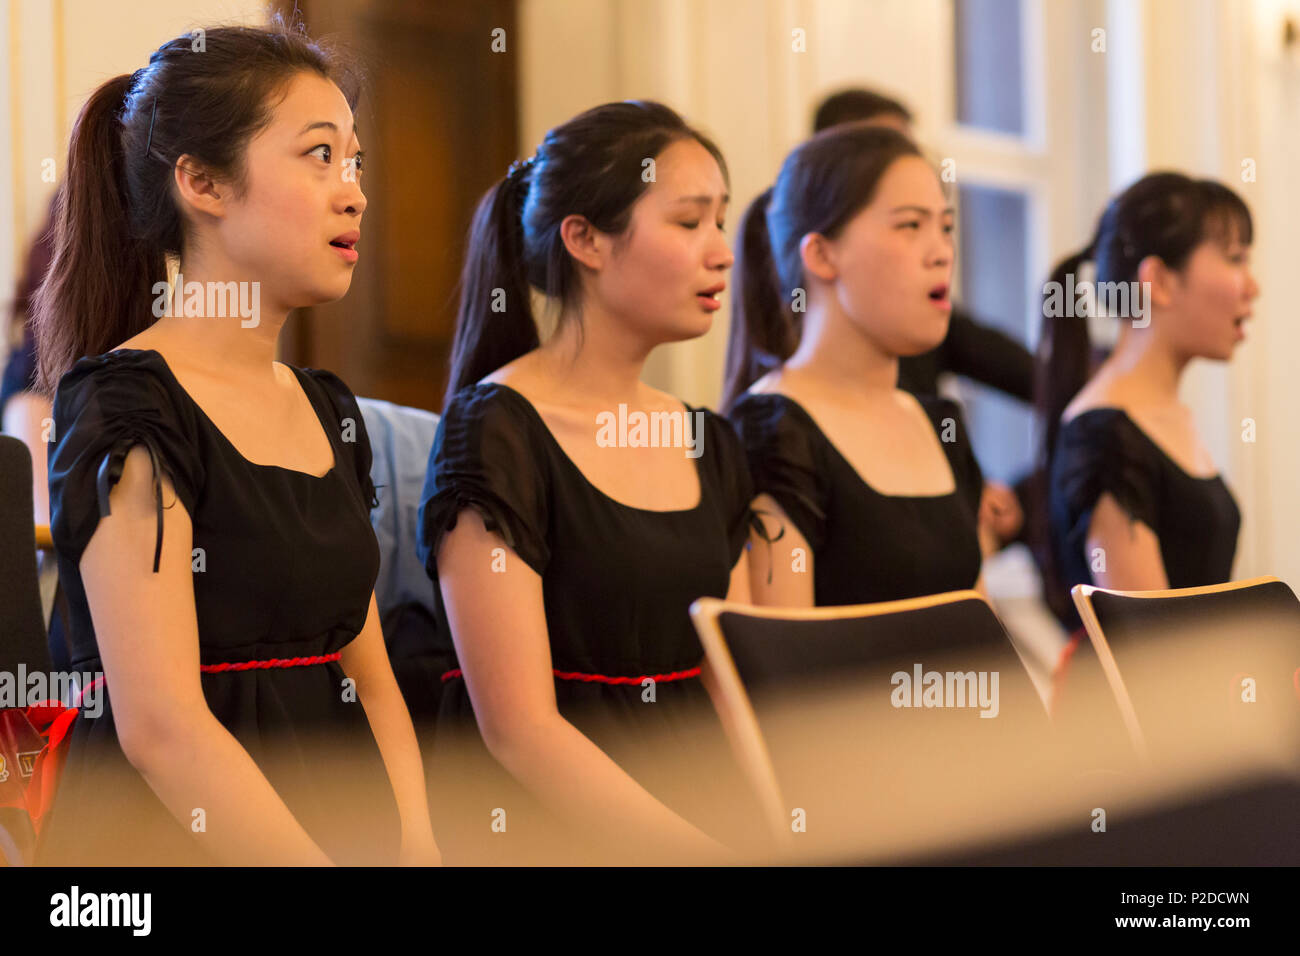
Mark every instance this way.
x=352 y=428
x=103 y=407
x=485 y=455
x=730 y=468
x=784 y=461
x=1100 y=452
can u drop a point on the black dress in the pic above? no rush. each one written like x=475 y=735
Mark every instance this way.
x=867 y=546
x=1103 y=450
x=617 y=582
x=286 y=569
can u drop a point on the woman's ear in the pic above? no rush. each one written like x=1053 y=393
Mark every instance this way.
x=197 y=189
x=818 y=255
x=1153 y=274
x=584 y=242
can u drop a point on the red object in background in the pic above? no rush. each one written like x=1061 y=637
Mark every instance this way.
x=20 y=744
x=30 y=760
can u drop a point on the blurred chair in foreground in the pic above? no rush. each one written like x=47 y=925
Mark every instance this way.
x=941 y=660
x=22 y=646
x=1245 y=622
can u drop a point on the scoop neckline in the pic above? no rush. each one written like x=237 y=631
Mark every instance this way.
x=956 y=486
x=1217 y=476
x=555 y=442
x=222 y=435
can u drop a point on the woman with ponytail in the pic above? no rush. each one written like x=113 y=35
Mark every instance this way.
x=209 y=504
x=565 y=544
x=870 y=493
x=1135 y=501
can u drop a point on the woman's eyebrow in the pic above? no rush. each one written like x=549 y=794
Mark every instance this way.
x=922 y=210
x=702 y=200
x=323 y=124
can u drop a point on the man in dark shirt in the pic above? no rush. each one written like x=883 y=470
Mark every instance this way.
x=979 y=352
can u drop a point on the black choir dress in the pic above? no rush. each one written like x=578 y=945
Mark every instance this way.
x=1103 y=450
x=617 y=583
x=284 y=566
x=867 y=546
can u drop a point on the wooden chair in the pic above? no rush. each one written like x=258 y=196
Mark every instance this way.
x=22 y=632
x=1248 y=615
x=760 y=659
x=22 y=623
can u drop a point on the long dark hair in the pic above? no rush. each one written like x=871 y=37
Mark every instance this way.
x=591 y=166
x=206 y=94
x=1163 y=214
x=822 y=185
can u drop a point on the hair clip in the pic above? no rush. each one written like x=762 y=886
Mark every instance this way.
x=520 y=166
x=152 y=112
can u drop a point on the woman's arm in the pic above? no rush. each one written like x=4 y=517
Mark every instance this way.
x=1129 y=558
x=738 y=590
x=789 y=560
x=365 y=660
x=148 y=636
x=498 y=625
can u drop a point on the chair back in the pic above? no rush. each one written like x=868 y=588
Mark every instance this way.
x=22 y=620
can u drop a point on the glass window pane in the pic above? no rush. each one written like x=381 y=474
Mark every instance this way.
x=988 y=64
x=993 y=257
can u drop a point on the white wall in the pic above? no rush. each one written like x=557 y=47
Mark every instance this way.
x=56 y=53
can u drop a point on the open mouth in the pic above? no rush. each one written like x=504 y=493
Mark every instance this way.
x=346 y=240
x=939 y=294
x=709 y=297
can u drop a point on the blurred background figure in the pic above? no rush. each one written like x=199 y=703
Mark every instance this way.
x=26 y=413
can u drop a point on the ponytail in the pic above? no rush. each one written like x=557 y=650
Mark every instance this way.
x=1063 y=367
x=1064 y=354
x=97 y=293
x=494 y=323
x=763 y=330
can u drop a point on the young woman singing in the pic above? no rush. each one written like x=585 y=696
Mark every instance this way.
x=869 y=492
x=210 y=505
x=565 y=557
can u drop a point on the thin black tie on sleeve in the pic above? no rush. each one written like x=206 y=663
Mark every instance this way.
x=756 y=523
x=110 y=472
